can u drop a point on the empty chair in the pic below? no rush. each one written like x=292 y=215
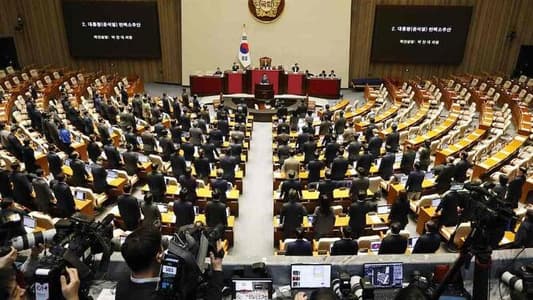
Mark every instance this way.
x=461 y=232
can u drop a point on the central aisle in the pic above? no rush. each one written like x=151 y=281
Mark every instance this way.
x=253 y=227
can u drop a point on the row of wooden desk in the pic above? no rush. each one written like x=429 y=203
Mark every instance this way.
x=283 y=83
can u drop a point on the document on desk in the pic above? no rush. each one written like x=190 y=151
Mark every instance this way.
x=107 y=294
x=376 y=219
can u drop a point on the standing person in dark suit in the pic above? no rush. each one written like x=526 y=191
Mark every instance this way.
x=93 y=149
x=399 y=211
x=291 y=216
x=184 y=212
x=55 y=163
x=167 y=146
x=408 y=160
x=447 y=209
x=28 y=157
x=424 y=156
x=354 y=149
x=103 y=131
x=290 y=184
x=188 y=151
x=413 y=185
x=331 y=150
x=151 y=213
x=339 y=167
x=114 y=161
x=14 y=145
x=359 y=187
x=79 y=173
x=176 y=109
x=323 y=217
x=314 y=167
x=326 y=187
x=188 y=186
x=129 y=209
x=393 y=139
x=65 y=206
x=393 y=243
x=309 y=150
x=365 y=161
x=300 y=247
x=369 y=131
x=156 y=184
x=178 y=164
x=201 y=165
x=131 y=161
x=514 y=191
x=346 y=245
x=501 y=188
x=429 y=242
x=215 y=212
x=301 y=139
x=210 y=151
x=374 y=145
x=357 y=212
x=461 y=168
x=99 y=177
x=228 y=163
x=43 y=193
x=444 y=179
x=340 y=124
x=220 y=184
x=386 y=166
x=149 y=143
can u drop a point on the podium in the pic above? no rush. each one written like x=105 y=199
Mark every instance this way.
x=264 y=91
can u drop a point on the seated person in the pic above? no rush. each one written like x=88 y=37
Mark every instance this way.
x=346 y=245
x=143 y=253
x=430 y=241
x=264 y=79
x=323 y=74
x=300 y=247
x=394 y=243
x=332 y=74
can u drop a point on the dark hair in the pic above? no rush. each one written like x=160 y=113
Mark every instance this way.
x=395 y=227
x=503 y=179
x=39 y=172
x=432 y=227
x=417 y=166
x=141 y=247
x=60 y=177
x=325 y=205
x=299 y=233
x=346 y=232
x=323 y=294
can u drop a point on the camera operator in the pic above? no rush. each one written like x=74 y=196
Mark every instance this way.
x=10 y=220
x=143 y=254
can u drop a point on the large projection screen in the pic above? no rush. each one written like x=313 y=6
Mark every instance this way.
x=314 y=33
x=420 y=34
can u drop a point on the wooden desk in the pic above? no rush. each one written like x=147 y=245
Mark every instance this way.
x=499 y=158
x=118 y=182
x=340 y=105
x=86 y=207
x=379 y=118
x=425 y=214
x=461 y=145
x=362 y=110
x=396 y=189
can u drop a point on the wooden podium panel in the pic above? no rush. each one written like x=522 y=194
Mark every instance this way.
x=324 y=87
x=205 y=85
x=273 y=78
x=295 y=83
x=233 y=82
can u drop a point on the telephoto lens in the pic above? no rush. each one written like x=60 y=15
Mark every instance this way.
x=29 y=240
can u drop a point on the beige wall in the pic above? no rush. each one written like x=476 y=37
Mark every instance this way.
x=314 y=33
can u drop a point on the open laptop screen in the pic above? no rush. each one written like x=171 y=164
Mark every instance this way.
x=310 y=276
x=252 y=289
x=386 y=275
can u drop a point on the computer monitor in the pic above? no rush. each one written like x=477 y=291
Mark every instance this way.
x=143 y=159
x=67 y=162
x=435 y=202
x=403 y=179
x=80 y=195
x=412 y=241
x=383 y=209
x=384 y=275
x=310 y=276
x=252 y=289
x=112 y=174
x=28 y=221
x=456 y=186
x=374 y=246
x=429 y=175
x=163 y=208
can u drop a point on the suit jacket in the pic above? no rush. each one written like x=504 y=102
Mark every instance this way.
x=427 y=243
x=325 y=128
x=151 y=214
x=386 y=166
x=22 y=188
x=291 y=217
x=444 y=178
x=184 y=212
x=514 y=191
x=339 y=166
x=289 y=184
x=331 y=151
x=178 y=164
x=28 y=156
x=339 y=125
x=94 y=151
x=291 y=164
x=460 y=170
x=374 y=146
x=326 y=187
x=393 y=141
x=131 y=161
x=357 y=213
x=448 y=205
x=79 y=174
x=65 y=201
x=209 y=151
x=113 y=156
x=149 y=143
x=195 y=134
x=309 y=149
x=227 y=163
x=358 y=190
x=103 y=132
x=424 y=158
x=323 y=222
x=167 y=146
x=302 y=139
x=188 y=151
x=344 y=247
x=314 y=167
x=54 y=162
x=399 y=212
x=414 y=181
x=215 y=214
x=129 y=209
x=365 y=162
x=43 y=194
x=393 y=244
x=99 y=178
x=407 y=162
x=156 y=183
x=220 y=184
x=201 y=165
x=369 y=131
x=299 y=248
x=354 y=151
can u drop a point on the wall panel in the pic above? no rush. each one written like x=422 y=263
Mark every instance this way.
x=43 y=40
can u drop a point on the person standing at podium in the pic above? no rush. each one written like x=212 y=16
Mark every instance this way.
x=264 y=79
x=235 y=67
x=295 y=68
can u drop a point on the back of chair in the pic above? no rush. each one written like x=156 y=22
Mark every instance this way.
x=374 y=184
x=461 y=232
x=365 y=241
x=324 y=244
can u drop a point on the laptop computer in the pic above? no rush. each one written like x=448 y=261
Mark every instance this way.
x=386 y=278
x=143 y=159
x=374 y=246
x=80 y=195
x=310 y=276
x=163 y=208
x=435 y=202
x=383 y=209
x=252 y=289
x=429 y=175
x=67 y=162
x=112 y=174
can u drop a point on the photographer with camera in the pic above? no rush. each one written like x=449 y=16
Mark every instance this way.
x=143 y=254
